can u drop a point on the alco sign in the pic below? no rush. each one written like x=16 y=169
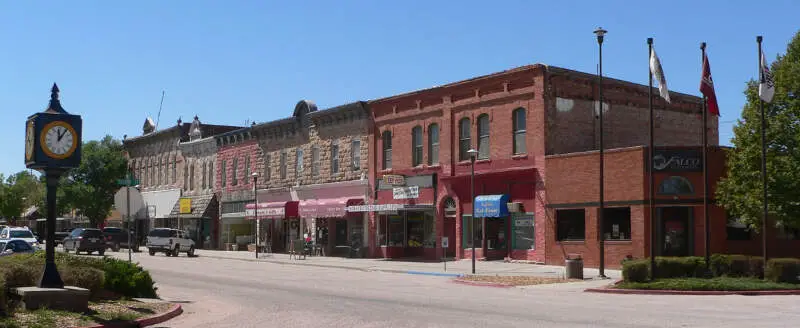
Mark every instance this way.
x=394 y=180
x=677 y=161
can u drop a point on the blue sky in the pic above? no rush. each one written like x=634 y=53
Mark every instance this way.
x=233 y=61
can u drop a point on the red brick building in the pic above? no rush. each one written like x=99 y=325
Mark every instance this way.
x=514 y=119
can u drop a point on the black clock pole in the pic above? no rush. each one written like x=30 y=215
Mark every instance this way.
x=50 y=277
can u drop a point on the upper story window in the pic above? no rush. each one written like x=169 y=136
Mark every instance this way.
x=283 y=164
x=298 y=170
x=267 y=167
x=224 y=173
x=676 y=185
x=355 y=154
x=416 y=146
x=185 y=175
x=518 y=118
x=158 y=171
x=483 y=136
x=205 y=172
x=315 y=160
x=464 y=139
x=174 y=170
x=246 y=176
x=334 y=157
x=386 y=137
x=234 y=172
x=433 y=144
x=211 y=175
x=191 y=177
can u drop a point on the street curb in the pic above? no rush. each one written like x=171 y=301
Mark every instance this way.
x=437 y=274
x=481 y=284
x=173 y=312
x=692 y=292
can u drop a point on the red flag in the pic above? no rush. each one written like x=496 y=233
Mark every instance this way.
x=707 y=88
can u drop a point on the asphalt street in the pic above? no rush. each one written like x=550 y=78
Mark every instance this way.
x=234 y=293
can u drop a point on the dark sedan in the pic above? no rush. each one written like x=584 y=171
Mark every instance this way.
x=85 y=240
x=12 y=247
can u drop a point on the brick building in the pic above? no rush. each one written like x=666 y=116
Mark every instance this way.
x=310 y=167
x=156 y=160
x=238 y=157
x=514 y=119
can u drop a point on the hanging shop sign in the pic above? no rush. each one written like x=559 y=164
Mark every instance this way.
x=677 y=161
x=410 y=192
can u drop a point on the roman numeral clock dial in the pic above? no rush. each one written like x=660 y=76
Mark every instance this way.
x=59 y=140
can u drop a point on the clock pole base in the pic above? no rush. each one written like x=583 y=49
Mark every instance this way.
x=50 y=277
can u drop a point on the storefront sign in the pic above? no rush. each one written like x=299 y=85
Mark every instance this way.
x=677 y=161
x=185 y=206
x=269 y=212
x=394 y=179
x=375 y=208
x=527 y=222
x=491 y=206
x=409 y=192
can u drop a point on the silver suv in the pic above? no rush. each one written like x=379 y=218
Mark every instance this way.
x=170 y=242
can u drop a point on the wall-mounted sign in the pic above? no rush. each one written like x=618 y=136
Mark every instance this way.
x=375 y=208
x=445 y=242
x=410 y=192
x=394 y=179
x=677 y=161
x=267 y=213
x=185 y=206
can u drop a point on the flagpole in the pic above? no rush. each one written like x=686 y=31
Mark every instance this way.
x=763 y=155
x=650 y=166
x=705 y=169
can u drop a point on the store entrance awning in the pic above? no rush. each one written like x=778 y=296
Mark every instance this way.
x=272 y=210
x=200 y=207
x=326 y=208
x=491 y=206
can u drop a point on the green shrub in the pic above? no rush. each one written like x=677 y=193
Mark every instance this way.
x=636 y=270
x=680 y=267
x=3 y=302
x=746 y=266
x=720 y=264
x=20 y=275
x=84 y=277
x=128 y=279
x=783 y=270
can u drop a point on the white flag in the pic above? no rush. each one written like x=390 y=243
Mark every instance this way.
x=766 y=86
x=655 y=68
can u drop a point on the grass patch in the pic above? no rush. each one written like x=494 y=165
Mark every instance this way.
x=516 y=280
x=714 y=284
x=99 y=313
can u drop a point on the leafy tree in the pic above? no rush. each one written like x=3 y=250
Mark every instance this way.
x=741 y=192
x=90 y=188
x=17 y=193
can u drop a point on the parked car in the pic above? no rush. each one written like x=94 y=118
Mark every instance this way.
x=21 y=233
x=170 y=242
x=118 y=237
x=16 y=246
x=87 y=240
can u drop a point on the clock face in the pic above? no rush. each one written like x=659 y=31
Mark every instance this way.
x=59 y=140
x=29 y=141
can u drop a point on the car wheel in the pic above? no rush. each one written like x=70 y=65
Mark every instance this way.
x=66 y=250
x=88 y=252
x=101 y=252
x=190 y=252
x=176 y=250
x=152 y=252
x=115 y=247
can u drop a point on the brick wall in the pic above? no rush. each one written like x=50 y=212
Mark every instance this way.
x=239 y=151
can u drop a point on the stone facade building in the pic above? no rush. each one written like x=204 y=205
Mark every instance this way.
x=156 y=160
x=311 y=167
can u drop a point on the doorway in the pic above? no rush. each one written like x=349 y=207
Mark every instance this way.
x=450 y=234
x=676 y=233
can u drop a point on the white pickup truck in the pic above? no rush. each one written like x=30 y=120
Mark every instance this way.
x=170 y=242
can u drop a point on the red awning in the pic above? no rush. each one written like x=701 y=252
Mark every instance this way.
x=326 y=208
x=273 y=210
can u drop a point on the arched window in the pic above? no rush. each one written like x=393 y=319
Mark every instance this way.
x=387 y=149
x=483 y=136
x=205 y=173
x=675 y=185
x=433 y=144
x=416 y=146
x=464 y=139
x=174 y=169
x=518 y=118
x=191 y=177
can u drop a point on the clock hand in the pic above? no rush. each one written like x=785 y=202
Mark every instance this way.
x=61 y=135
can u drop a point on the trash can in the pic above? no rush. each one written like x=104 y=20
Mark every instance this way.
x=574 y=267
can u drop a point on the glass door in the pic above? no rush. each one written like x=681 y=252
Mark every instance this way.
x=675 y=231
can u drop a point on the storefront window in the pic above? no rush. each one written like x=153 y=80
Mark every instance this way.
x=523 y=232
x=571 y=224
x=382 y=230
x=476 y=227
x=430 y=230
x=397 y=231
x=416 y=229
x=617 y=223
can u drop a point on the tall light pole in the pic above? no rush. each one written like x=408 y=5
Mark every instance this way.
x=600 y=32
x=255 y=208
x=472 y=155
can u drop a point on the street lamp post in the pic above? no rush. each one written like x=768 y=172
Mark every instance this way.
x=472 y=155
x=255 y=208
x=600 y=32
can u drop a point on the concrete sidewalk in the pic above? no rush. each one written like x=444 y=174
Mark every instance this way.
x=454 y=268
